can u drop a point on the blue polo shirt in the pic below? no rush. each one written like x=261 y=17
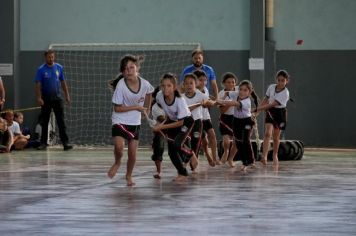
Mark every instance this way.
x=209 y=71
x=50 y=78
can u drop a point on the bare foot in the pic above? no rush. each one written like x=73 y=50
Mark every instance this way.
x=275 y=161
x=243 y=168
x=157 y=176
x=113 y=170
x=180 y=178
x=211 y=162
x=217 y=162
x=193 y=162
x=129 y=181
x=264 y=161
x=224 y=159
x=231 y=163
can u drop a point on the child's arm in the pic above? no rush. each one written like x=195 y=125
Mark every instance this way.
x=122 y=108
x=232 y=103
x=173 y=125
x=208 y=103
x=10 y=142
x=265 y=105
x=147 y=103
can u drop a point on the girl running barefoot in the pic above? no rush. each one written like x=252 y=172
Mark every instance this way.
x=132 y=96
x=275 y=103
x=229 y=81
x=177 y=126
x=195 y=100
x=243 y=123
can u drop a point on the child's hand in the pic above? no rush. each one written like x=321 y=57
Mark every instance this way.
x=157 y=128
x=142 y=109
x=28 y=136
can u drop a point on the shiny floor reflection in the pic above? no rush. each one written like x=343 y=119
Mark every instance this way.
x=67 y=193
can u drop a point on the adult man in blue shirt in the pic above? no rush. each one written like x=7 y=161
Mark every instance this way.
x=198 y=59
x=49 y=79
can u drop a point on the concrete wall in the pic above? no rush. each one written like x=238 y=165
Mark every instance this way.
x=67 y=21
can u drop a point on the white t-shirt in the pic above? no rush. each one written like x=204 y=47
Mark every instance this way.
x=206 y=113
x=197 y=113
x=245 y=110
x=231 y=94
x=126 y=97
x=15 y=128
x=175 y=111
x=282 y=96
x=157 y=111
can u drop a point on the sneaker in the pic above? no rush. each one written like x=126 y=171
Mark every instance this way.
x=67 y=147
x=42 y=147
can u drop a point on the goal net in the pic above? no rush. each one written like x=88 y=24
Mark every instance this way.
x=89 y=67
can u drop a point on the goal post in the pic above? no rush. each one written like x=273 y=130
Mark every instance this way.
x=89 y=66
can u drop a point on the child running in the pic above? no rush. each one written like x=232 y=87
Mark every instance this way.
x=195 y=100
x=229 y=81
x=243 y=124
x=132 y=96
x=275 y=103
x=207 y=125
x=177 y=126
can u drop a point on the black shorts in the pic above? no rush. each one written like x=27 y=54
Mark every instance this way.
x=225 y=124
x=242 y=128
x=128 y=132
x=207 y=125
x=277 y=117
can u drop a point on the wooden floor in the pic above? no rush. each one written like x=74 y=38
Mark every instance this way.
x=67 y=193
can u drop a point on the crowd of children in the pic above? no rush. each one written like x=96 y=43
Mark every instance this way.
x=180 y=117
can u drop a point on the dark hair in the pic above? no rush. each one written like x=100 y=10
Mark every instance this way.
x=154 y=94
x=17 y=114
x=191 y=75
x=253 y=93
x=197 y=51
x=229 y=75
x=282 y=73
x=129 y=57
x=49 y=51
x=113 y=82
x=199 y=73
x=173 y=78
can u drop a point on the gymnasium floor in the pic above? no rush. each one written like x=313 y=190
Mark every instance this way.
x=67 y=193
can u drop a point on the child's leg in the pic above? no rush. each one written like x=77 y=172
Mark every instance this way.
x=131 y=160
x=182 y=143
x=205 y=146
x=20 y=143
x=157 y=156
x=226 y=145
x=196 y=134
x=213 y=143
x=119 y=144
x=159 y=169
x=247 y=151
x=266 y=139
x=234 y=149
x=176 y=159
x=276 y=141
